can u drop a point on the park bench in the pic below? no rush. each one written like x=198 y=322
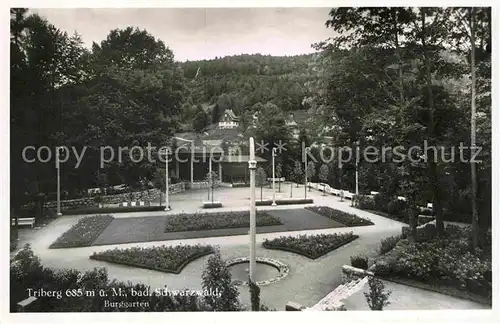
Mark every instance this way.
x=24 y=221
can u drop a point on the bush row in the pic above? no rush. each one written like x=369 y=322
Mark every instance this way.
x=220 y=220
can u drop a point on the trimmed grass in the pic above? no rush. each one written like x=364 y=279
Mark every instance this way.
x=171 y=259
x=209 y=221
x=311 y=246
x=110 y=210
x=83 y=233
x=347 y=219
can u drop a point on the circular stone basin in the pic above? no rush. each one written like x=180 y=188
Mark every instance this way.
x=263 y=271
x=267 y=270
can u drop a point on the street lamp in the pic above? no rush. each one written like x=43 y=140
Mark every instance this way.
x=357 y=176
x=58 y=167
x=274 y=188
x=305 y=172
x=341 y=190
x=167 y=203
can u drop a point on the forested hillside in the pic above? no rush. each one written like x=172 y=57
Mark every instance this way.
x=241 y=82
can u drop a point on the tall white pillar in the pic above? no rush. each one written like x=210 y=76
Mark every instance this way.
x=305 y=173
x=252 y=165
x=220 y=172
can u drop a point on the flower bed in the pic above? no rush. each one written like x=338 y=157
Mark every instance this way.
x=170 y=259
x=209 y=221
x=340 y=216
x=109 y=210
x=83 y=233
x=440 y=261
x=311 y=246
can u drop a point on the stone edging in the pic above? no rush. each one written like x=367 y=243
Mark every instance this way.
x=282 y=268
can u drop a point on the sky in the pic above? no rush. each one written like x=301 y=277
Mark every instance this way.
x=197 y=33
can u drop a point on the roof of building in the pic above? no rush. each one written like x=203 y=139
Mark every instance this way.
x=231 y=114
x=240 y=158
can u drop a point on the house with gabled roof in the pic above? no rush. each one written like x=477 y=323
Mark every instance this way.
x=229 y=120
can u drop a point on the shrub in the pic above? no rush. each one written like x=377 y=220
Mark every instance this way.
x=209 y=221
x=381 y=202
x=340 y=216
x=217 y=277
x=366 y=202
x=160 y=258
x=426 y=233
x=83 y=233
x=397 y=207
x=377 y=298
x=311 y=246
x=359 y=261
x=388 y=244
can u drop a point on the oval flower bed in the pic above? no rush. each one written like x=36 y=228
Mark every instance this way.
x=311 y=246
x=347 y=219
x=209 y=221
x=163 y=258
x=82 y=233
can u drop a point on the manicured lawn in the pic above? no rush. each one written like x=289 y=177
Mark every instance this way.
x=83 y=233
x=209 y=221
x=311 y=246
x=340 y=216
x=170 y=259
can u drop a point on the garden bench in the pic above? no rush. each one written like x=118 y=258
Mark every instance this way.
x=24 y=221
x=348 y=195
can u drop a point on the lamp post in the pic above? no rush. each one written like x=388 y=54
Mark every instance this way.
x=58 y=182
x=167 y=202
x=357 y=176
x=274 y=186
x=341 y=190
x=252 y=165
x=305 y=172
